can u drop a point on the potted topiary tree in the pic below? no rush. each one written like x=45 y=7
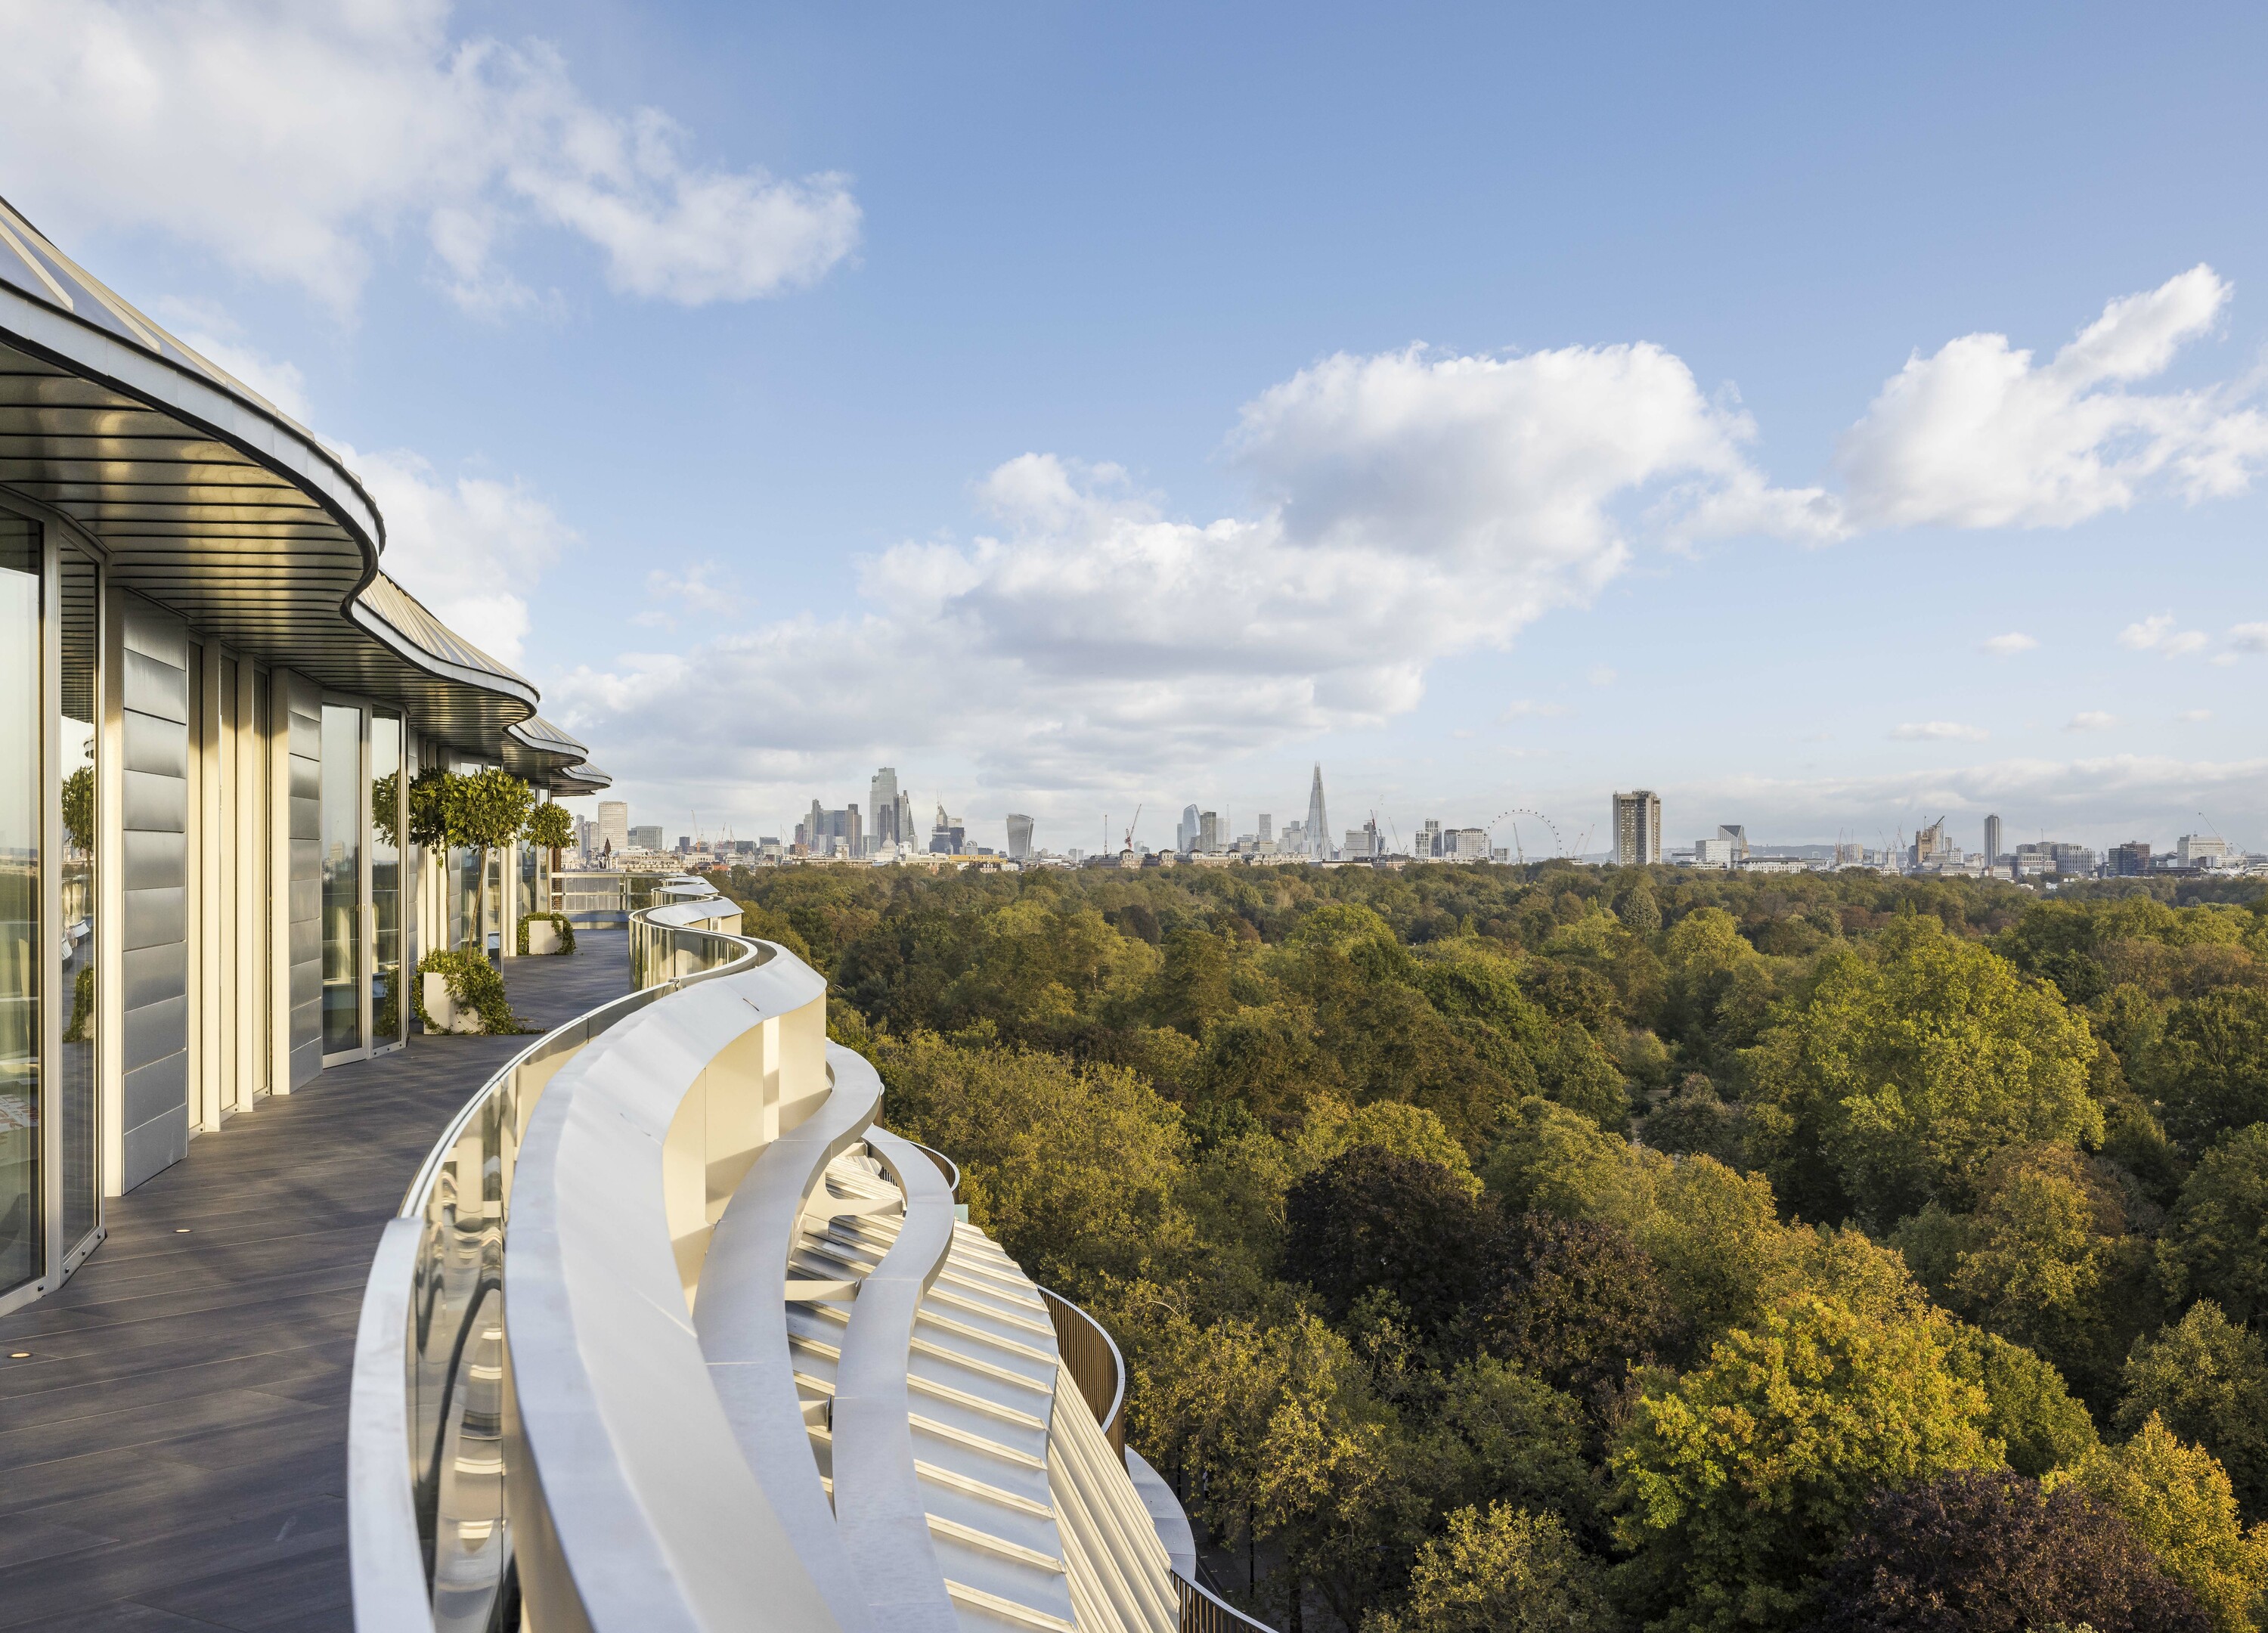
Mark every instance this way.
x=431 y=793
x=486 y=810
x=549 y=827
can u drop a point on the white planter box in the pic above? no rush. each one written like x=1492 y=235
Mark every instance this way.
x=543 y=936
x=446 y=1017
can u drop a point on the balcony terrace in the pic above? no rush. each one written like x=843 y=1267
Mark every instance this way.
x=173 y=1449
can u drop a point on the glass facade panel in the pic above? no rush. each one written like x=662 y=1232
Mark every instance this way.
x=464 y=895
x=79 y=1085
x=21 y=1255
x=386 y=877
x=341 y=830
x=263 y=1047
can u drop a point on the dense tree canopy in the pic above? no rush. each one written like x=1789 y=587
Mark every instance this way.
x=1609 y=1248
x=1990 y=1553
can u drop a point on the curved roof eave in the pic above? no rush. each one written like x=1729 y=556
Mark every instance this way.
x=213 y=502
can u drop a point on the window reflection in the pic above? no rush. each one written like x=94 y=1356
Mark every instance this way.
x=20 y=1252
x=341 y=877
x=386 y=877
x=76 y=1083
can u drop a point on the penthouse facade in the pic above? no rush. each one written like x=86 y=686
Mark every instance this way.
x=669 y=1332
x=211 y=701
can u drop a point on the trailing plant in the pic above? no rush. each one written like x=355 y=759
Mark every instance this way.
x=566 y=931
x=474 y=984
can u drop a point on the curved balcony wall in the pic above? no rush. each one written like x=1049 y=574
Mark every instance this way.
x=671 y=1334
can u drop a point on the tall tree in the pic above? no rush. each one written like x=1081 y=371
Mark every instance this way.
x=2176 y=1498
x=2217 y=1245
x=2208 y=1381
x=1505 y=1569
x=1988 y=1552
x=1740 y=1480
x=1370 y=1219
x=1908 y=1069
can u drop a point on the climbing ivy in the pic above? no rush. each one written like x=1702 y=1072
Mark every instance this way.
x=566 y=931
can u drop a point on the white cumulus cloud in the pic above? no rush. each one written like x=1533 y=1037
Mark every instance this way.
x=2142 y=636
x=1938 y=731
x=2091 y=720
x=2010 y=644
x=1408 y=506
x=2157 y=633
x=294 y=141
x=1980 y=434
x=2252 y=637
x=469 y=548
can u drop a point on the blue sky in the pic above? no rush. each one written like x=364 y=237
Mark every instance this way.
x=696 y=354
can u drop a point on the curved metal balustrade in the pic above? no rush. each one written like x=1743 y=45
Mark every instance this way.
x=753 y=1372
x=1091 y=1356
x=430 y=1544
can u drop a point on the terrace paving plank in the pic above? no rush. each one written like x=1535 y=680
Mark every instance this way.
x=173 y=1453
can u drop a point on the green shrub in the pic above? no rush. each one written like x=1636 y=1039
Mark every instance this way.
x=566 y=930
x=474 y=984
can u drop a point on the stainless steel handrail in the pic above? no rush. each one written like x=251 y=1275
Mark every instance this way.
x=1091 y=1354
x=946 y=1165
x=1204 y=1611
x=428 y=1538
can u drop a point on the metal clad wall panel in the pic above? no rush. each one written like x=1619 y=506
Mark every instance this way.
x=158 y=689
x=154 y=861
x=151 y=744
x=156 y=918
x=152 y=975
x=153 y=1031
x=154 y=808
x=155 y=802
x=305 y=725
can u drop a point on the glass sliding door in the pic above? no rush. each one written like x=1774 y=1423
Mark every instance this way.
x=343 y=787
x=22 y=1254
x=261 y=1013
x=78 y=1082
x=386 y=780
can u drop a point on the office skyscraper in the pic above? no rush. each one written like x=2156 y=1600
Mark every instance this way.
x=1318 y=828
x=1991 y=840
x=882 y=800
x=1020 y=836
x=1638 y=827
x=1185 y=831
x=613 y=824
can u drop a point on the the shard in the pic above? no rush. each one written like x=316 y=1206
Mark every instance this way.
x=1319 y=822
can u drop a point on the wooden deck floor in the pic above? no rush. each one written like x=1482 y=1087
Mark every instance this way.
x=173 y=1453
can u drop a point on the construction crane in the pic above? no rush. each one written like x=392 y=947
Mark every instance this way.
x=1130 y=826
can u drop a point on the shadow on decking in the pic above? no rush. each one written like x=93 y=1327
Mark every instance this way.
x=172 y=1454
